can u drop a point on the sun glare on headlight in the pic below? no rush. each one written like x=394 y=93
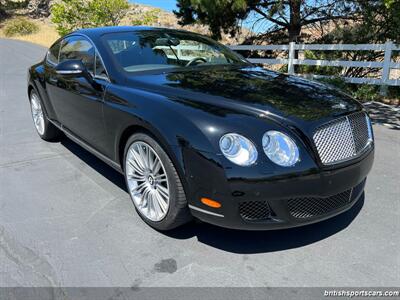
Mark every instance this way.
x=280 y=148
x=238 y=149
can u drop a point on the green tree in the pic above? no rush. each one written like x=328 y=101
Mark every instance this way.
x=377 y=23
x=281 y=18
x=69 y=15
x=389 y=3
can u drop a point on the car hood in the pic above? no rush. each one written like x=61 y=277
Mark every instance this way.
x=250 y=89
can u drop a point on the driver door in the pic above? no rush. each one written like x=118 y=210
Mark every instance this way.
x=78 y=103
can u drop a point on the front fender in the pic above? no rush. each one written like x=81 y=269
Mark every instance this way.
x=127 y=110
x=37 y=81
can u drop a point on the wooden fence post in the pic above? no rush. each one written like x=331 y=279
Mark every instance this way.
x=291 y=58
x=386 y=68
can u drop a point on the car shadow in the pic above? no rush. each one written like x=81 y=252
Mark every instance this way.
x=235 y=241
x=101 y=167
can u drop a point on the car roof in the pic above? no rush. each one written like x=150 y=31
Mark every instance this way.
x=95 y=33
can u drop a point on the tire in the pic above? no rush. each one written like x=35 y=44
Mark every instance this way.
x=46 y=130
x=145 y=190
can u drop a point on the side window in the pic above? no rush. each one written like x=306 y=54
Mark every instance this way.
x=99 y=69
x=52 y=54
x=77 y=47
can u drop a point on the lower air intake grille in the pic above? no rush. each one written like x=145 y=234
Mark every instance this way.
x=311 y=207
x=254 y=210
x=308 y=207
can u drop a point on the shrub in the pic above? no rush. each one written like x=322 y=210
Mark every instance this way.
x=365 y=93
x=70 y=15
x=20 y=26
x=362 y=92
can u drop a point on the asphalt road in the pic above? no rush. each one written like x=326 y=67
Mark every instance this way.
x=66 y=220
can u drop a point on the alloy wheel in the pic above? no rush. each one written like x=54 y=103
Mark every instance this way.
x=37 y=113
x=147 y=181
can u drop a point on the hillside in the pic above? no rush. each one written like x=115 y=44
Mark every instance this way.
x=138 y=14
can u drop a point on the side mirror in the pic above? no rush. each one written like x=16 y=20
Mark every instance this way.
x=75 y=68
x=71 y=67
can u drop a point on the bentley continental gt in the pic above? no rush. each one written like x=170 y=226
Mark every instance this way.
x=199 y=131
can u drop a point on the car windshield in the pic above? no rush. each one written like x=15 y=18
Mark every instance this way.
x=161 y=49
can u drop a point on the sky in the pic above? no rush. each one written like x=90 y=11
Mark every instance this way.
x=168 y=5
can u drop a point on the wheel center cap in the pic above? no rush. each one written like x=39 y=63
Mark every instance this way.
x=151 y=180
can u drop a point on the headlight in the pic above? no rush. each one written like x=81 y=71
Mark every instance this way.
x=238 y=149
x=280 y=148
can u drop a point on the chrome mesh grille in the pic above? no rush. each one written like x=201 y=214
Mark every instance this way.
x=254 y=210
x=309 y=207
x=343 y=138
x=360 y=131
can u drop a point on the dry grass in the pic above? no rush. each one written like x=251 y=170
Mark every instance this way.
x=46 y=35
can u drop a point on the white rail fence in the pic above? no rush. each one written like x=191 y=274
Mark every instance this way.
x=386 y=65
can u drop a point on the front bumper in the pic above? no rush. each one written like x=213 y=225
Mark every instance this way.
x=290 y=201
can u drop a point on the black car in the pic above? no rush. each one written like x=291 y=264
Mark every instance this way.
x=198 y=131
